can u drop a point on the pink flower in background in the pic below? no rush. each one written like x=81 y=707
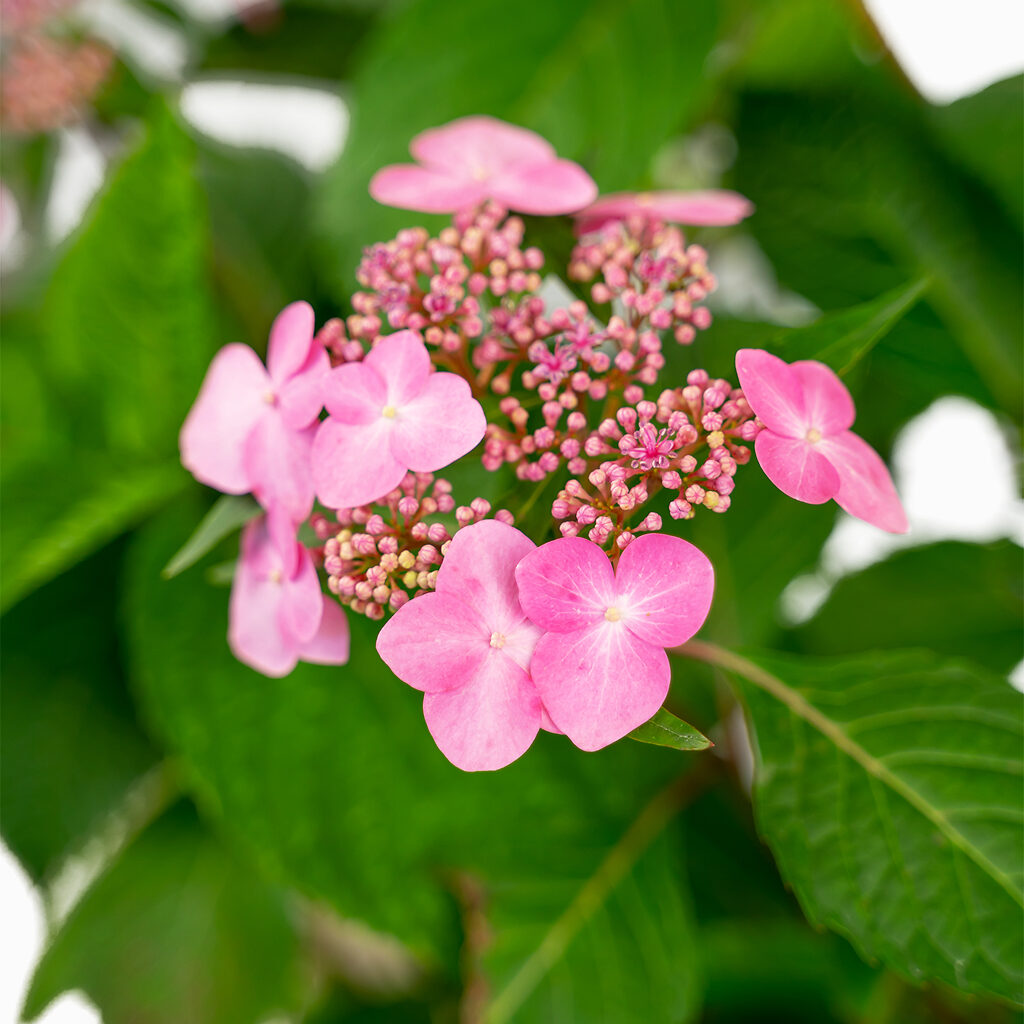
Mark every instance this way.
x=251 y=428
x=389 y=414
x=715 y=206
x=278 y=613
x=600 y=668
x=806 y=447
x=473 y=159
x=467 y=646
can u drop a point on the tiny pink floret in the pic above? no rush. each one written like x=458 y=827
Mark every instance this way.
x=473 y=159
x=711 y=207
x=806 y=447
x=390 y=413
x=468 y=647
x=251 y=428
x=278 y=614
x=600 y=667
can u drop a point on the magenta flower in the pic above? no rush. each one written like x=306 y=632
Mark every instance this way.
x=807 y=448
x=278 y=614
x=467 y=646
x=251 y=428
x=714 y=206
x=389 y=414
x=600 y=668
x=473 y=159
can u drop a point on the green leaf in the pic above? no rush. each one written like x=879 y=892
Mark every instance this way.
x=229 y=513
x=179 y=928
x=666 y=730
x=904 y=601
x=563 y=68
x=888 y=787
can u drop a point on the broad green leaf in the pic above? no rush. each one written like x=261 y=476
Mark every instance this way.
x=666 y=730
x=889 y=789
x=563 y=68
x=179 y=928
x=71 y=746
x=331 y=777
x=904 y=602
x=229 y=513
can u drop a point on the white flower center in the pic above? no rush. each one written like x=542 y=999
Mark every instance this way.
x=813 y=435
x=276 y=576
x=389 y=412
x=498 y=640
x=612 y=614
x=269 y=397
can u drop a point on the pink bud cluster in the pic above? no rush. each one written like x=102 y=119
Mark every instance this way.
x=647 y=266
x=378 y=556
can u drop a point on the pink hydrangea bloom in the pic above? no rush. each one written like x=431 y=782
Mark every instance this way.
x=251 y=428
x=278 y=614
x=473 y=159
x=600 y=667
x=389 y=414
x=714 y=206
x=807 y=448
x=468 y=646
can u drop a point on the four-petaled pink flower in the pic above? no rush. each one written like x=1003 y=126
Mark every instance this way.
x=712 y=207
x=278 y=614
x=468 y=646
x=600 y=668
x=251 y=428
x=473 y=159
x=807 y=448
x=389 y=414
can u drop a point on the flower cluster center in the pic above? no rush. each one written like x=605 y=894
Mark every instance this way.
x=498 y=640
x=612 y=614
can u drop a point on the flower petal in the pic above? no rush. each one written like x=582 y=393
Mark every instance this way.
x=434 y=643
x=441 y=424
x=797 y=468
x=355 y=393
x=291 y=338
x=709 y=207
x=403 y=363
x=665 y=587
x=353 y=464
x=301 y=397
x=566 y=584
x=599 y=683
x=773 y=390
x=829 y=406
x=866 y=489
x=488 y=723
x=330 y=645
x=479 y=144
x=410 y=187
x=230 y=402
x=302 y=600
x=278 y=463
x=543 y=189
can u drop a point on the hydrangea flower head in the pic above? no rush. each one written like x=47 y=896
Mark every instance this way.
x=468 y=161
x=251 y=428
x=468 y=647
x=278 y=614
x=711 y=207
x=600 y=667
x=807 y=448
x=388 y=414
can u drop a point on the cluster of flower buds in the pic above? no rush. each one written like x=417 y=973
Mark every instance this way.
x=647 y=267
x=378 y=556
x=338 y=345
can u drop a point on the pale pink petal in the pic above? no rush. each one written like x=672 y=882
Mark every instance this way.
x=231 y=401
x=773 y=390
x=330 y=645
x=284 y=550
x=546 y=724
x=545 y=189
x=302 y=603
x=866 y=489
x=565 y=585
x=428 y=191
x=291 y=338
x=353 y=464
x=434 y=643
x=439 y=425
x=403 y=362
x=488 y=723
x=599 y=683
x=355 y=393
x=301 y=397
x=710 y=207
x=829 y=406
x=479 y=144
x=665 y=587
x=797 y=468
x=277 y=461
